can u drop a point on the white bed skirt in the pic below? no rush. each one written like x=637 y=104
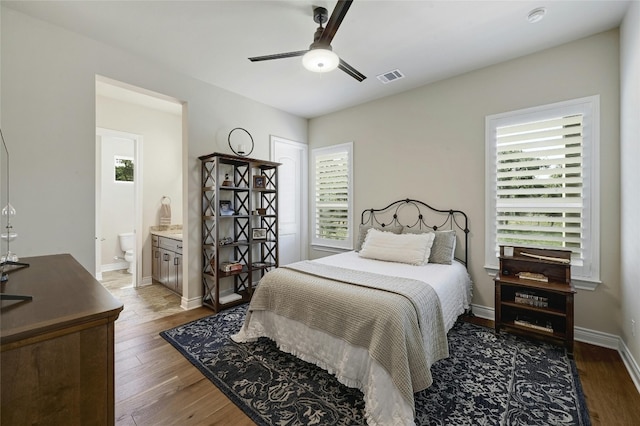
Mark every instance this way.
x=351 y=365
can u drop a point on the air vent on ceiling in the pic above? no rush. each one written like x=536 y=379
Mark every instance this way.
x=390 y=76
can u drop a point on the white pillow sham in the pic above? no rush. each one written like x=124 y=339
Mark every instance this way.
x=362 y=232
x=413 y=249
x=444 y=245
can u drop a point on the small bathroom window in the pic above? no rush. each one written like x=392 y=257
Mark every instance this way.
x=123 y=169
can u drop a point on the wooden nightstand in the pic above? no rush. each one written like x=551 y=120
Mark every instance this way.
x=538 y=309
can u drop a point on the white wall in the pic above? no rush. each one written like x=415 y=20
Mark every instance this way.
x=48 y=115
x=630 y=178
x=117 y=200
x=161 y=162
x=428 y=144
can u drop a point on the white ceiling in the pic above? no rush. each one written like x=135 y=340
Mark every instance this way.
x=426 y=40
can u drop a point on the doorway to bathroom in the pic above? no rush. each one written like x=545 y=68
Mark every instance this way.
x=125 y=115
x=131 y=184
x=118 y=203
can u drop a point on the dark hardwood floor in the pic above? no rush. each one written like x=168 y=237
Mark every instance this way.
x=155 y=385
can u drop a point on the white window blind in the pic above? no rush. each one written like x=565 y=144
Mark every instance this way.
x=332 y=202
x=542 y=192
x=540 y=183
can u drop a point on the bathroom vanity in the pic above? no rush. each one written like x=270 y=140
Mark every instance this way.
x=166 y=261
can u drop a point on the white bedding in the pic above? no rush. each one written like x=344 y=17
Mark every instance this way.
x=352 y=365
x=451 y=282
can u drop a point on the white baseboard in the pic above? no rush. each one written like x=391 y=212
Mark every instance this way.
x=145 y=282
x=193 y=303
x=585 y=335
x=630 y=363
x=597 y=338
x=483 y=312
x=114 y=266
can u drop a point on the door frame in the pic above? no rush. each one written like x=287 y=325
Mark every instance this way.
x=136 y=268
x=304 y=197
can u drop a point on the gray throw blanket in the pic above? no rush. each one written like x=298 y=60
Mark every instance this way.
x=398 y=320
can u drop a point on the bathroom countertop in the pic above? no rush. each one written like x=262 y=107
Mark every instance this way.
x=167 y=231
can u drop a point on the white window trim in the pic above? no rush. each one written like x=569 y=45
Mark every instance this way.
x=590 y=107
x=346 y=244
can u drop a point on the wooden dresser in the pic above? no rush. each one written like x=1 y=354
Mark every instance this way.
x=57 y=349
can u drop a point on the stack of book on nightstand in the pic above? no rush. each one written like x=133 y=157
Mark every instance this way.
x=531 y=299
x=534 y=324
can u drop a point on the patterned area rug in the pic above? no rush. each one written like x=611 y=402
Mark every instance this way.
x=487 y=380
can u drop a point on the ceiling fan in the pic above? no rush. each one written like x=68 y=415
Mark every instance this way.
x=320 y=56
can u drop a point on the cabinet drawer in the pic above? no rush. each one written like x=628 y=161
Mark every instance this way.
x=171 y=244
x=154 y=240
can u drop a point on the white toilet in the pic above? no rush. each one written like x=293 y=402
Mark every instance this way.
x=126 y=245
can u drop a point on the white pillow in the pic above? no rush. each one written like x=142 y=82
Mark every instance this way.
x=413 y=249
x=362 y=232
x=444 y=245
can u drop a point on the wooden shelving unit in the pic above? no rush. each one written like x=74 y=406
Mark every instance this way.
x=239 y=224
x=538 y=309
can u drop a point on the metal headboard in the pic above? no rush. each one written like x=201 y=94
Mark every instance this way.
x=411 y=214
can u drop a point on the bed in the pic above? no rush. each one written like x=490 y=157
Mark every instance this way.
x=375 y=317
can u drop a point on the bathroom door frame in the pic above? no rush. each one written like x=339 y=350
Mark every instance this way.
x=136 y=268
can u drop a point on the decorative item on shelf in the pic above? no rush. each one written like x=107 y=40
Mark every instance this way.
x=230 y=266
x=259 y=233
x=224 y=241
x=261 y=212
x=260 y=264
x=508 y=251
x=240 y=144
x=259 y=182
x=225 y=208
x=227 y=181
x=549 y=258
x=532 y=276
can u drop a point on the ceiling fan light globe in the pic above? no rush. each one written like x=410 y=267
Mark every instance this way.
x=320 y=60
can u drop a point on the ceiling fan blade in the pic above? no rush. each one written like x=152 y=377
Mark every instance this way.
x=351 y=71
x=337 y=16
x=278 y=56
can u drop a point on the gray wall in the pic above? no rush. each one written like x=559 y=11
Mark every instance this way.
x=48 y=117
x=429 y=144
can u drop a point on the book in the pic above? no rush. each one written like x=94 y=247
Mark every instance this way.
x=531 y=299
x=533 y=324
x=230 y=266
x=532 y=276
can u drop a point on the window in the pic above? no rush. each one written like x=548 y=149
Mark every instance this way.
x=123 y=169
x=333 y=201
x=542 y=186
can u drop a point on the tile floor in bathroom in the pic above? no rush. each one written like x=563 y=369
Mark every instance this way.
x=141 y=304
